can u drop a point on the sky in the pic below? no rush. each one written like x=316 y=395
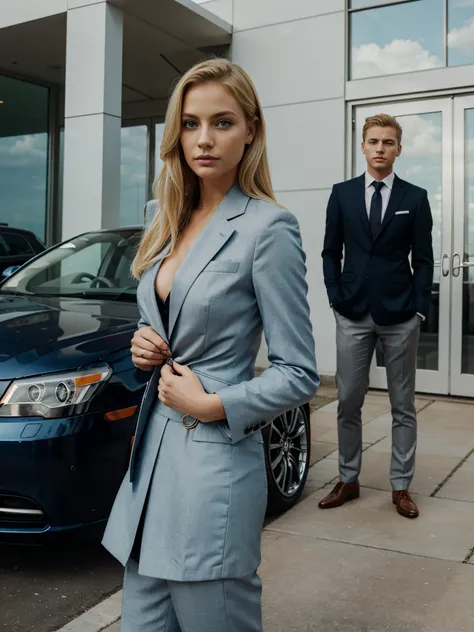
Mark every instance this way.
x=410 y=36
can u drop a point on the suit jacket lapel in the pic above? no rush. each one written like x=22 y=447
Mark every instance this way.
x=361 y=206
x=396 y=198
x=213 y=237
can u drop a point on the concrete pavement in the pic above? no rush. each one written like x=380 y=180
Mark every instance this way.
x=362 y=567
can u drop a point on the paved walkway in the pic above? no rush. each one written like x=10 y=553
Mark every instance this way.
x=362 y=567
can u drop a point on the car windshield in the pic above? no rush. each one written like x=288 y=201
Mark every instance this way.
x=93 y=265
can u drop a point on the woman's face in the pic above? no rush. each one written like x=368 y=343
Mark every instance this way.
x=214 y=131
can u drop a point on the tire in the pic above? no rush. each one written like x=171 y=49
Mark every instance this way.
x=288 y=447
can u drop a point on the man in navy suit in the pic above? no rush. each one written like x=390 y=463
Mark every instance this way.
x=382 y=226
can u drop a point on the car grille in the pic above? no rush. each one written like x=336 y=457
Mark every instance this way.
x=17 y=512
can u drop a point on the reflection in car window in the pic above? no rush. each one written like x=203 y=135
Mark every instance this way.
x=16 y=245
x=87 y=260
x=3 y=247
x=91 y=265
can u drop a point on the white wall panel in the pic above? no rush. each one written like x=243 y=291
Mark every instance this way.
x=222 y=8
x=306 y=145
x=310 y=209
x=84 y=157
x=91 y=189
x=294 y=62
x=19 y=11
x=91 y=198
x=94 y=60
x=254 y=13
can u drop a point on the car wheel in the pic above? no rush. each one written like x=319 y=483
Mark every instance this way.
x=287 y=456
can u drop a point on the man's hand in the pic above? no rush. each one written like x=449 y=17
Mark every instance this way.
x=148 y=349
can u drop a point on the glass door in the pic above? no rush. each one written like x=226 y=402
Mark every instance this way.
x=426 y=161
x=462 y=260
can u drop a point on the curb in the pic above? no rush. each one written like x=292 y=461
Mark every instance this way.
x=97 y=618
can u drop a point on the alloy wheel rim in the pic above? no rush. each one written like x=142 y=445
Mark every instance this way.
x=288 y=451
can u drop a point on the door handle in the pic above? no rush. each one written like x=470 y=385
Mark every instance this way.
x=445 y=269
x=460 y=264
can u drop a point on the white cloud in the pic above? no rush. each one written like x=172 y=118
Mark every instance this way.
x=470 y=147
x=421 y=136
x=398 y=56
x=460 y=4
x=413 y=170
x=23 y=150
x=463 y=37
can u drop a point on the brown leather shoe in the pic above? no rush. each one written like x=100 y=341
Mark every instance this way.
x=341 y=493
x=406 y=506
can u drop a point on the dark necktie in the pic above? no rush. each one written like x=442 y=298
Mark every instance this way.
x=376 y=208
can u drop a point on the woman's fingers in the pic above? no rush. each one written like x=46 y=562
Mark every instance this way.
x=147 y=338
x=148 y=349
x=146 y=354
x=143 y=364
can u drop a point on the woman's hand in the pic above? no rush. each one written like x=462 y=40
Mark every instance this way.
x=184 y=393
x=148 y=349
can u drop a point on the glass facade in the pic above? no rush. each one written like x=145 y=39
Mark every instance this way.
x=460 y=32
x=24 y=141
x=467 y=355
x=388 y=38
x=159 y=129
x=138 y=153
x=133 y=174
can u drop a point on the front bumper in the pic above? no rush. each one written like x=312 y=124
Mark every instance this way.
x=59 y=475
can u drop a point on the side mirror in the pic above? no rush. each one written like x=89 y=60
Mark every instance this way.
x=8 y=271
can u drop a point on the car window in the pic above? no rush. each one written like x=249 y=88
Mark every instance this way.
x=87 y=260
x=3 y=247
x=123 y=267
x=16 y=245
x=89 y=265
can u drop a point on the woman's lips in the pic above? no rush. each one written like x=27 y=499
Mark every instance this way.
x=206 y=160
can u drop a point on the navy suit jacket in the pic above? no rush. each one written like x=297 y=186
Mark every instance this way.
x=377 y=275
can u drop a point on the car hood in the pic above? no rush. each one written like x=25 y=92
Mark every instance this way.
x=49 y=335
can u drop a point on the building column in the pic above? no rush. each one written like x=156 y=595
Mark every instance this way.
x=92 y=126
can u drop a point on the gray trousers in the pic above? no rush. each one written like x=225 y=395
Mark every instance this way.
x=355 y=342
x=159 y=605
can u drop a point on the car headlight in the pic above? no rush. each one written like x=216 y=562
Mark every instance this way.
x=58 y=395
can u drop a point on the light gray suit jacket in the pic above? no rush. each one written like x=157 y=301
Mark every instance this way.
x=206 y=488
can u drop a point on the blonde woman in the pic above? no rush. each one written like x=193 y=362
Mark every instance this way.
x=220 y=263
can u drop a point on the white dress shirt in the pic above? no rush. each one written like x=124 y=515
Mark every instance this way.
x=384 y=191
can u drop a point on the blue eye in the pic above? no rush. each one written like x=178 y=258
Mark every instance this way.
x=224 y=124
x=189 y=124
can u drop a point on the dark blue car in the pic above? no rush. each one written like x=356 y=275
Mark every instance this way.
x=69 y=393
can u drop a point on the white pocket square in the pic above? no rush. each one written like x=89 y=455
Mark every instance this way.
x=402 y=212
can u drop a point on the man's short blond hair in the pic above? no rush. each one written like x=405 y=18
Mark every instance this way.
x=382 y=120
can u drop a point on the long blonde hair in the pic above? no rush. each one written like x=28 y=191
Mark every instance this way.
x=177 y=186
